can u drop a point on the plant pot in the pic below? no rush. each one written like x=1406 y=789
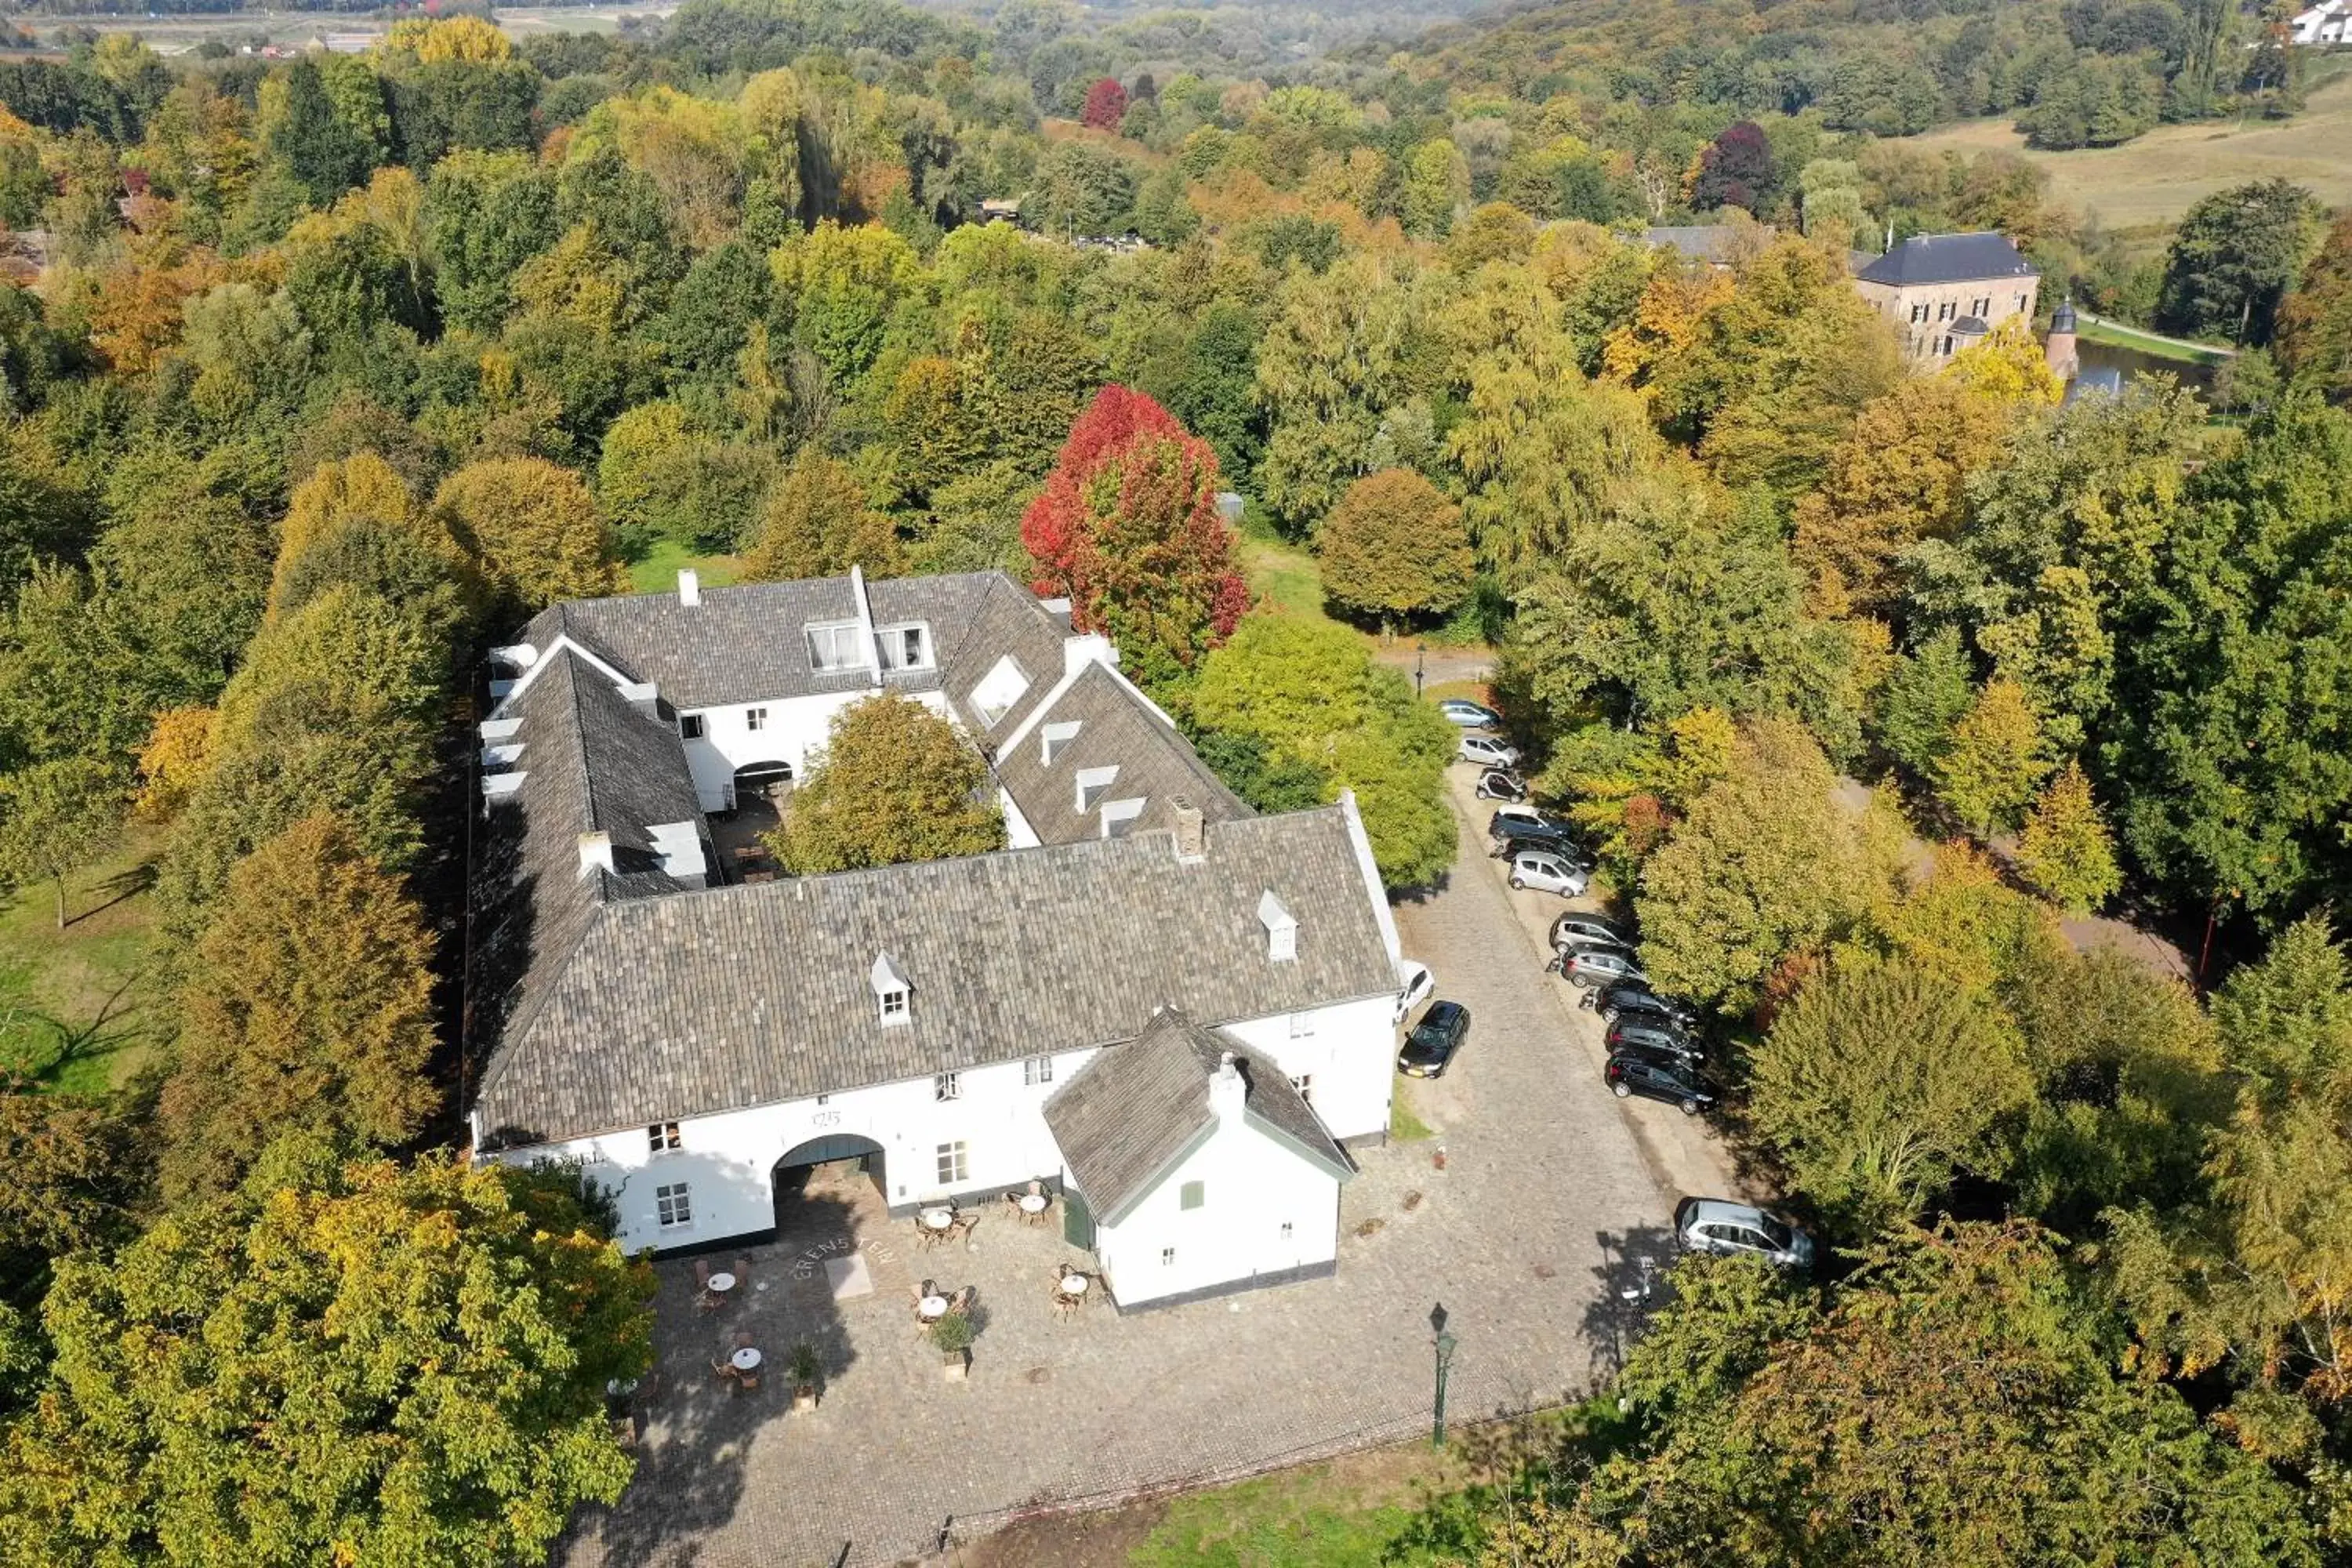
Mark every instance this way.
x=956 y=1365
x=804 y=1396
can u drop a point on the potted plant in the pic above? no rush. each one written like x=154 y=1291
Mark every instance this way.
x=804 y=1367
x=953 y=1334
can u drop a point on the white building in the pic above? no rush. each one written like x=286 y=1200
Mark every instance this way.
x=2330 y=23
x=1064 y=1010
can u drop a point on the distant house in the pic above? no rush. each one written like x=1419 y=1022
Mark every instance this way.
x=1947 y=291
x=2327 y=23
x=1000 y=209
x=1719 y=245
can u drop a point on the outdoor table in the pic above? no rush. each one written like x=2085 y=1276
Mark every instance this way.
x=745 y=1359
x=1074 y=1283
x=1032 y=1202
x=720 y=1284
x=938 y=1220
x=931 y=1307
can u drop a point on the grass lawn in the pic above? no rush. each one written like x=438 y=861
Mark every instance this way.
x=657 y=573
x=1344 y=1514
x=72 y=1002
x=2148 y=183
x=1284 y=573
x=1404 y=1126
x=2149 y=343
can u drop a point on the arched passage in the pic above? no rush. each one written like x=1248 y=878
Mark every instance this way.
x=762 y=781
x=835 y=1159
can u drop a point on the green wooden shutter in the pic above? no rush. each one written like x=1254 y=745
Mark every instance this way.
x=1077 y=1220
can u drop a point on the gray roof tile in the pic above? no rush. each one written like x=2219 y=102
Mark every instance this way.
x=1117 y=728
x=1947 y=259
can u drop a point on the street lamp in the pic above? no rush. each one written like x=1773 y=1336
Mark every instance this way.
x=1445 y=1345
x=1420 y=662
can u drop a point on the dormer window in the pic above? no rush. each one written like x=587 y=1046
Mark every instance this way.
x=834 y=646
x=904 y=648
x=893 y=997
x=1054 y=739
x=1093 y=783
x=1004 y=684
x=1119 y=817
x=1281 y=928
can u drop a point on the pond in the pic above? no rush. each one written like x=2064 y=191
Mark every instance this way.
x=2106 y=367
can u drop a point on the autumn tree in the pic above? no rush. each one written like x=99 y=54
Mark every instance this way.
x=1106 y=105
x=1882 y=1082
x=1735 y=170
x=307 y=1005
x=532 y=527
x=2314 y=323
x=1395 y=546
x=361 y=488
x=895 y=783
x=818 y=524
x=364 y=1362
x=1129 y=532
x=1994 y=761
x=2065 y=848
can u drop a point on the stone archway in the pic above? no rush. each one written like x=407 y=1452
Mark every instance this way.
x=836 y=1159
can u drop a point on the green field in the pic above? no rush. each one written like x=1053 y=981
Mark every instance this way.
x=2148 y=183
x=2155 y=346
x=657 y=573
x=1352 y=1511
x=74 y=1003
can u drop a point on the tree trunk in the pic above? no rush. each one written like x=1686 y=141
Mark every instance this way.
x=60 y=881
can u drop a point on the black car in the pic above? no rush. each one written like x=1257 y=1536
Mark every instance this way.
x=1497 y=784
x=1577 y=927
x=1514 y=836
x=1429 y=1049
x=1631 y=996
x=1651 y=1035
x=1658 y=1078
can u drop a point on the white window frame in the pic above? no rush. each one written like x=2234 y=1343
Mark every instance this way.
x=674 y=1205
x=1305 y=1084
x=946 y=1088
x=1288 y=1231
x=689 y=726
x=1119 y=816
x=1167 y=1258
x=832 y=645
x=953 y=1162
x=662 y=1138
x=1302 y=1026
x=891 y=645
x=755 y=718
x=1000 y=690
x=896 y=1007
x=1037 y=1071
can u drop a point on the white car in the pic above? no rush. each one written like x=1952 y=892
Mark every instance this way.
x=1719 y=1226
x=1415 y=985
x=1546 y=873
x=1468 y=714
x=1488 y=752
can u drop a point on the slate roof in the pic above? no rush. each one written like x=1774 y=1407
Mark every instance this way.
x=1137 y=1109
x=1928 y=258
x=1003 y=618
x=1115 y=728
x=1708 y=242
x=700 y=1001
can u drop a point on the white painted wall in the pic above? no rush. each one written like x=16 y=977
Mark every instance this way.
x=1252 y=1186
x=796 y=729
x=727 y=1161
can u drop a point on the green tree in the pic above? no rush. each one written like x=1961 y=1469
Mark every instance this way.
x=1333 y=361
x=531 y=526
x=2314 y=323
x=486 y=215
x=56 y=817
x=1768 y=863
x=818 y=524
x=365 y=1362
x=1994 y=761
x=2234 y=256
x=1395 y=546
x=895 y=783
x=2065 y=848
x=308 y=1006
x=1923 y=697
x=1882 y=1082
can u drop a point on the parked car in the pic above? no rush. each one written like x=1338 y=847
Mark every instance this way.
x=1429 y=1049
x=1653 y=1035
x=1414 y=983
x=1532 y=818
x=1468 y=714
x=1720 y=1226
x=1613 y=1002
x=1495 y=784
x=1658 y=1078
x=1488 y=752
x=1547 y=872
x=1586 y=966
x=1576 y=926
x=1515 y=835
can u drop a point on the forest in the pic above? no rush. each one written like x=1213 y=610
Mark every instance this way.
x=320 y=374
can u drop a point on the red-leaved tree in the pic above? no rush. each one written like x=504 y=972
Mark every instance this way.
x=1127 y=530
x=1106 y=105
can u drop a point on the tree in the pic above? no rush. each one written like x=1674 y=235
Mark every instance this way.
x=308 y=1005
x=361 y=1362
x=1395 y=546
x=1767 y=864
x=1994 y=761
x=1953 y=1402
x=818 y=524
x=1735 y=170
x=1129 y=532
x=2233 y=258
x=486 y=215
x=895 y=783
x=1308 y=692
x=532 y=527
x=1923 y=697
x=1880 y=1083
x=2065 y=848
x=2314 y=323
x=1106 y=105
x=55 y=817
x=363 y=487
x=1333 y=361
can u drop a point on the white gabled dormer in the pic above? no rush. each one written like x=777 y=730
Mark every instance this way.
x=1093 y=783
x=894 y=999
x=1281 y=928
x=864 y=623
x=596 y=852
x=1053 y=738
x=1003 y=686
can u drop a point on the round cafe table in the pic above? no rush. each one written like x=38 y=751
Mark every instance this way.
x=1032 y=1202
x=745 y=1359
x=720 y=1284
x=938 y=1220
x=931 y=1308
x=1074 y=1283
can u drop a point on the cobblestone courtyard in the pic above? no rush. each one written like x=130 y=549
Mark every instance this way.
x=1523 y=1237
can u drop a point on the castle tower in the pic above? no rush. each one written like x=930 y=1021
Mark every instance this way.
x=2060 y=349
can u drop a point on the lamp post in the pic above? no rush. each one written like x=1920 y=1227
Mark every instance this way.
x=1444 y=1343
x=1420 y=662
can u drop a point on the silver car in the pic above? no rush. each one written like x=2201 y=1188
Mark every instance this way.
x=1546 y=873
x=1585 y=966
x=1468 y=714
x=1488 y=752
x=1726 y=1228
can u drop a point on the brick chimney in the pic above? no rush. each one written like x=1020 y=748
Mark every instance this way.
x=1192 y=829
